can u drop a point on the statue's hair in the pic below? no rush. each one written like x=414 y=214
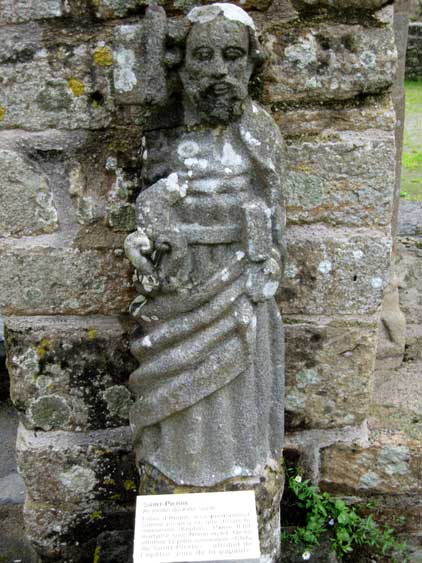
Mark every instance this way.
x=256 y=52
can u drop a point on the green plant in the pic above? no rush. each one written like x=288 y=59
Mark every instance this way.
x=345 y=526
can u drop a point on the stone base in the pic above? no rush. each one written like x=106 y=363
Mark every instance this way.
x=268 y=487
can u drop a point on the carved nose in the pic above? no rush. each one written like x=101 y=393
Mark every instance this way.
x=219 y=68
x=220 y=72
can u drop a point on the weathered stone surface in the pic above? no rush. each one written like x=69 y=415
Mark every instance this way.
x=373 y=112
x=14 y=545
x=302 y=447
x=328 y=62
x=115 y=546
x=392 y=327
x=413 y=350
x=45 y=280
x=334 y=270
x=17 y=12
x=61 y=83
x=94 y=178
x=329 y=365
x=390 y=464
x=414 y=52
x=137 y=79
x=409 y=218
x=110 y=9
x=26 y=201
x=102 y=193
x=68 y=532
x=339 y=5
x=342 y=178
x=70 y=373
x=409 y=250
x=400 y=390
x=12 y=489
x=73 y=467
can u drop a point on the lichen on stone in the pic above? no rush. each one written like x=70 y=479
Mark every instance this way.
x=42 y=348
x=394 y=460
x=78 y=479
x=49 y=412
x=2 y=113
x=92 y=333
x=103 y=56
x=118 y=401
x=54 y=96
x=77 y=86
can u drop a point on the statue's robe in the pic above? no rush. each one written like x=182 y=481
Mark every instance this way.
x=210 y=383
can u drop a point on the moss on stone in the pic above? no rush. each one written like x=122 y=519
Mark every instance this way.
x=129 y=485
x=77 y=86
x=96 y=515
x=103 y=56
x=92 y=333
x=2 y=113
x=122 y=217
x=42 y=348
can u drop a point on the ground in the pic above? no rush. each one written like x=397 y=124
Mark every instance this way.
x=411 y=180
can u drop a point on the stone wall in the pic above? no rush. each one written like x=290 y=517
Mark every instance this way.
x=71 y=123
x=385 y=467
x=414 y=52
x=414 y=48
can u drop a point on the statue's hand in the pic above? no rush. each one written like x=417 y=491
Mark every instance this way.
x=138 y=248
x=263 y=280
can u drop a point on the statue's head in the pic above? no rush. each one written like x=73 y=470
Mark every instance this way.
x=221 y=53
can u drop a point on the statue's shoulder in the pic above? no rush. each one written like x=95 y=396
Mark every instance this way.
x=261 y=134
x=259 y=119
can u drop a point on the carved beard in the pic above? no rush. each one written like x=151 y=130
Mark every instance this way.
x=220 y=101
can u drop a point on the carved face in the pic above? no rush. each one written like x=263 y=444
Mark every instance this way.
x=217 y=69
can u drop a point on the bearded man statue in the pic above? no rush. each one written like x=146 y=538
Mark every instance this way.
x=209 y=253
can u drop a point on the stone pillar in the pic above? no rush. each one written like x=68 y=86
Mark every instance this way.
x=71 y=128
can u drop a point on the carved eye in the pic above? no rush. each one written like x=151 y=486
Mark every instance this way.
x=233 y=53
x=203 y=54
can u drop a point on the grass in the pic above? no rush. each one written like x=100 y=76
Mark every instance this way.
x=411 y=175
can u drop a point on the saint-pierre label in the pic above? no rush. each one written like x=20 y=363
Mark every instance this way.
x=196 y=527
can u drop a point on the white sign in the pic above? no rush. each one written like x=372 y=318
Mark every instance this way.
x=196 y=527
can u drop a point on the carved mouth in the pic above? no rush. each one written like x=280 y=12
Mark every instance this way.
x=221 y=88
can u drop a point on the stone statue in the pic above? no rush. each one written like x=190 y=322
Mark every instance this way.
x=209 y=254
